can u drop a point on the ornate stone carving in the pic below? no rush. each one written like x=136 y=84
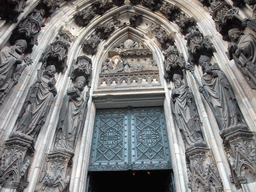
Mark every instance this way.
x=83 y=17
x=82 y=67
x=73 y=106
x=50 y=6
x=219 y=94
x=202 y=171
x=240 y=147
x=184 y=22
x=15 y=159
x=153 y=5
x=135 y=2
x=57 y=170
x=186 y=114
x=90 y=45
x=135 y=20
x=56 y=53
x=11 y=9
x=225 y=17
x=101 y=6
x=174 y=62
x=105 y=30
x=242 y=49
x=37 y=104
x=11 y=67
x=129 y=64
x=198 y=44
x=164 y=39
x=118 y=2
x=56 y=173
x=170 y=11
x=29 y=28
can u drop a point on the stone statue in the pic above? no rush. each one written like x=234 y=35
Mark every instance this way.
x=219 y=94
x=243 y=50
x=10 y=66
x=186 y=114
x=38 y=102
x=71 y=116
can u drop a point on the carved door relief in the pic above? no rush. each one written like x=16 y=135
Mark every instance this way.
x=130 y=139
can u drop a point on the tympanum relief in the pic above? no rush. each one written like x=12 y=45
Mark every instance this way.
x=129 y=64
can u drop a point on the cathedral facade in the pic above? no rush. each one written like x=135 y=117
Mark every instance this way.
x=153 y=95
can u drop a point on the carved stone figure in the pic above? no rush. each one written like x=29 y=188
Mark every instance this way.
x=170 y=11
x=219 y=93
x=90 y=45
x=71 y=116
x=101 y=6
x=83 y=17
x=118 y=2
x=184 y=22
x=29 y=28
x=105 y=30
x=37 y=104
x=154 y=5
x=243 y=50
x=186 y=114
x=11 y=9
x=10 y=66
x=164 y=39
x=50 y=6
x=135 y=20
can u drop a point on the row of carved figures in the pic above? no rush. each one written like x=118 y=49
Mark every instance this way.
x=18 y=150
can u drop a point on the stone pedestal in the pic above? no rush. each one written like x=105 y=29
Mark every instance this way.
x=202 y=170
x=15 y=160
x=240 y=146
x=56 y=173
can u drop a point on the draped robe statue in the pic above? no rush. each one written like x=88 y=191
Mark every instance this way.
x=220 y=94
x=10 y=58
x=186 y=114
x=243 y=50
x=37 y=104
x=71 y=116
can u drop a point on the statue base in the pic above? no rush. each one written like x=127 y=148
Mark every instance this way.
x=57 y=171
x=201 y=165
x=16 y=157
x=240 y=147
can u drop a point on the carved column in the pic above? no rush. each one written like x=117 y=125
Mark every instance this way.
x=57 y=169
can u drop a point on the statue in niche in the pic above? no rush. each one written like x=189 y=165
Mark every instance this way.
x=71 y=116
x=186 y=114
x=243 y=50
x=38 y=102
x=219 y=94
x=10 y=66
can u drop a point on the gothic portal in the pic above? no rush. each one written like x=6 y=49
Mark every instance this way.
x=131 y=91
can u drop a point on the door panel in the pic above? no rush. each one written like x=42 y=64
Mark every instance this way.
x=129 y=139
